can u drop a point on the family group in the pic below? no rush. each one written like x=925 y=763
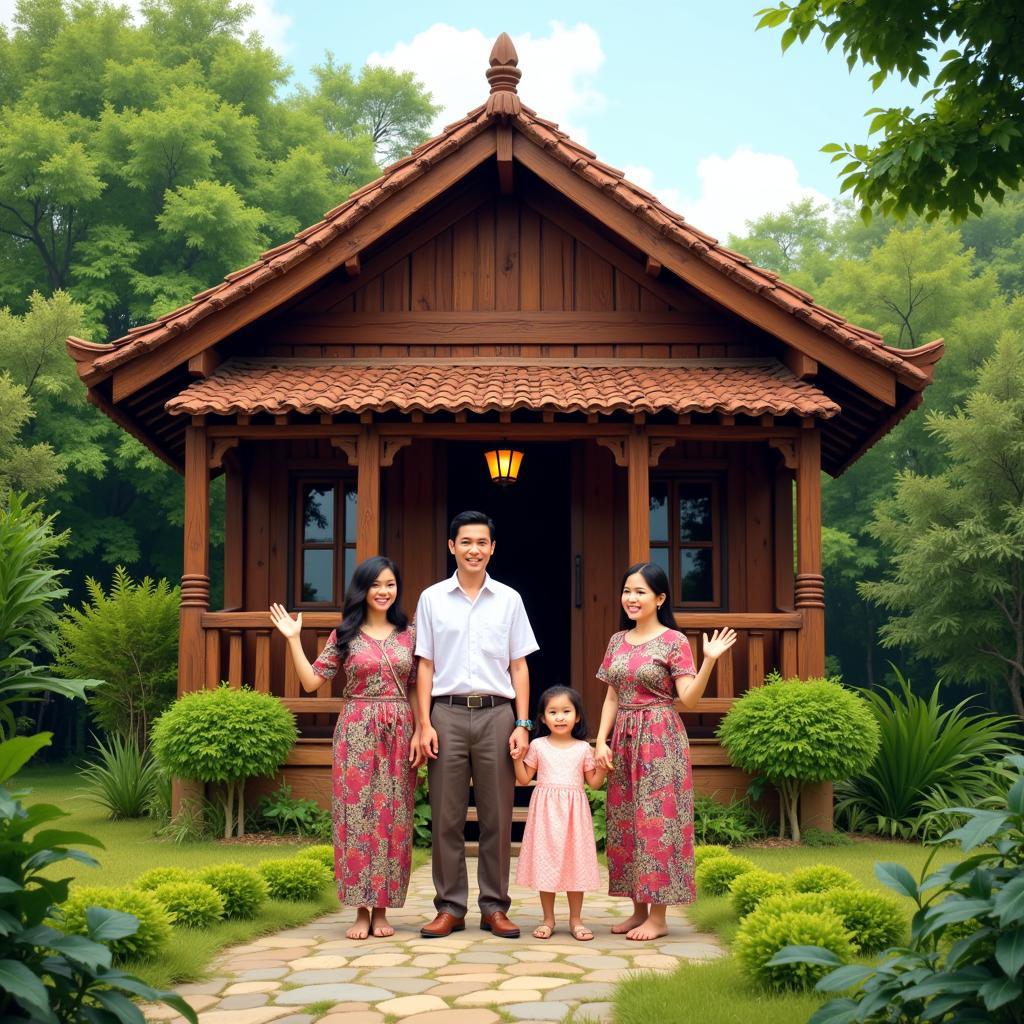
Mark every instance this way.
x=452 y=689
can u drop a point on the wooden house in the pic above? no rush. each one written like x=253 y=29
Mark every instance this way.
x=503 y=288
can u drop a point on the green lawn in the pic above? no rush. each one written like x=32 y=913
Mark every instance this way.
x=716 y=992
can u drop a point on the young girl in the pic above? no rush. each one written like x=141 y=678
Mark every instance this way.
x=558 y=852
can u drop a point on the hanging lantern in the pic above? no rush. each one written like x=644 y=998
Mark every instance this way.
x=503 y=465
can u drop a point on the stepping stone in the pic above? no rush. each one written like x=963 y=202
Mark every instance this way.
x=297 y=1018
x=399 y=972
x=528 y=982
x=383 y=959
x=244 y=1002
x=202 y=988
x=489 y=997
x=336 y=993
x=451 y=989
x=594 y=1012
x=535 y=955
x=200 y=1003
x=461 y=968
x=267 y=974
x=479 y=1016
x=693 y=950
x=258 y=1015
x=612 y=975
x=322 y=977
x=353 y=1017
x=322 y=963
x=406 y=1006
x=481 y=980
x=280 y=942
x=243 y=988
x=432 y=960
x=406 y=986
x=581 y=990
x=539 y=1011
x=598 y=963
x=655 y=960
x=542 y=969
x=486 y=958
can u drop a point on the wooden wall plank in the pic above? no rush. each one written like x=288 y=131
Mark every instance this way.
x=594 y=288
x=422 y=277
x=443 y=271
x=529 y=259
x=464 y=264
x=395 y=282
x=507 y=256
x=485 y=257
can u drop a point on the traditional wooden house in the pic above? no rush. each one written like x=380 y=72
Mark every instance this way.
x=501 y=288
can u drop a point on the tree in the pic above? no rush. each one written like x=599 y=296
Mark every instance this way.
x=29 y=468
x=968 y=145
x=955 y=538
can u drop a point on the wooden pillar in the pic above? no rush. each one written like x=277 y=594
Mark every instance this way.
x=234 y=531
x=368 y=491
x=810 y=584
x=639 y=495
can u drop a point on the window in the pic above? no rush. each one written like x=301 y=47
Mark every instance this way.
x=325 y=541
x=686 y=538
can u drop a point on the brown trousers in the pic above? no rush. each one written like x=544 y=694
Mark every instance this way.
x=472 y=743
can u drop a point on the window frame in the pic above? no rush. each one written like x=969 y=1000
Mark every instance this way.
x=718 y=544
x=341 y=483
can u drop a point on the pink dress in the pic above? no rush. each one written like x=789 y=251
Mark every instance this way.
x=558 y=852
x=650 y=789
x=373 y=782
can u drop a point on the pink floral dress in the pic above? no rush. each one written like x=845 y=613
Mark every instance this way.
x=373 y=781
x=650 y=789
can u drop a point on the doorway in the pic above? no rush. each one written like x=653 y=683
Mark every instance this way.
x=534 y=543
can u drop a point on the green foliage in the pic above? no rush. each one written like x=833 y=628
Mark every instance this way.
x=124 y=780
x=422 y=833
x=821 y=878
x=955 y=539
x=299 y=878
x=288 y=814
x=816 y=837
x=29 y=587
x=968 y=142
x=30 y=468
x=224 y=735
x=800 y=902
x=703 y=853
x=242 y=889
x=129 y=639
x=976 y=978
x=715 y=874
x=154 y=929
x=598 y=800
x=873 y=920
x=321 y=852
x=190 y=904
x=762 y=935
x=155 y=877
x=793 y=732
x=732 y=823
x=928 y=758
x=750 y=888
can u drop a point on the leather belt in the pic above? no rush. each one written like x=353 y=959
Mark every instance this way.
x=472 y=700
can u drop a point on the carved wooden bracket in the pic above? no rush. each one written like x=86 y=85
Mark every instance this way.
x=219 y=447
x=658 y=447
x=350 y=446
x=787 y=447
x=390 y=447
x=617 y=446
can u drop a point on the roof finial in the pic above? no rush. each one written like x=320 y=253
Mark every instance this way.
x=504 y=75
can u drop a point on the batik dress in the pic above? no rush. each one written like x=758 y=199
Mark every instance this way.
x=373 y=782
x=650 y=789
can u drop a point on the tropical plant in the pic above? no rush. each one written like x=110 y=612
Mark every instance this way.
x=291 y=814
x=29 y=587
x=732 y=823
x=149 y=939
x=715 y=874
x=190 y=904
x=792 y=733
x=929 y=758
x=129 y=639
x=124 y=780
x=821 y=878
x=298 y=878
x=747 y=890
x=226 y=736
x=242 y=889
x=978 y=977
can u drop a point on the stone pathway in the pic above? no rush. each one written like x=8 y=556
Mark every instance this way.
x=314 y=973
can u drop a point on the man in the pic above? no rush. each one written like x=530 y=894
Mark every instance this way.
x=473 y=688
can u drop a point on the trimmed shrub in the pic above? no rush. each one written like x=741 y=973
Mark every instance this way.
x=873 y=920
x=804 y=902
x=760 y=936
x=715 y=875
x=155 y=877
x=321 y=852
x=299 y=878
x=190 y=904
x=821 y=878
x=703 y=853
x=154 y=922
x=751 y=887
x=242 y=889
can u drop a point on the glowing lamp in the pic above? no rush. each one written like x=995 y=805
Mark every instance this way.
x=503 y=465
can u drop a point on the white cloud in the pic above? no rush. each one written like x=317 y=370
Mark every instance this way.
x=558 y=69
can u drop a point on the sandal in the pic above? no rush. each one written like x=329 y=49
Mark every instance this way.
x=581 y=933
x=546 y=928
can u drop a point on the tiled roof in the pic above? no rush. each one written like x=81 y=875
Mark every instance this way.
x=755 y=389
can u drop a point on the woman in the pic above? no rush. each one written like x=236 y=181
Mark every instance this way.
x=648 y=666
x=374 y=773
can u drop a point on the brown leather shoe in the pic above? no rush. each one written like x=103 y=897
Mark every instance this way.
x=442 y=925
x=498 y=924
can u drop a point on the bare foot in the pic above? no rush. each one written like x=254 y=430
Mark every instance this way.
x=580 y=932
x=362 y=926
x=544 y=930
x=647 y=930
x=380 y=926
x=631 y=922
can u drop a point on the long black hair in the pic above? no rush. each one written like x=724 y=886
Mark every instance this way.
x=657 y=579
x=579 y=730
x=353 y=614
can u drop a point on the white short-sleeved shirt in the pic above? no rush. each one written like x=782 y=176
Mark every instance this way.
x=471 y=643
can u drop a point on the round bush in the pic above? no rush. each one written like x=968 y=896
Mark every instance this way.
x=300 y=878
x=873 y=920
x=190 y=904
x=155 y=877
x=715 y=875
x=242 y=889
x=804 y=902
x=154 y=929
x=760 y=936
x=322 y=852
x=751 y=887
x=821 y=878
x=703 y=853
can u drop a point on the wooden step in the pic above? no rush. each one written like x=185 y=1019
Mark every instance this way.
x=518 y=814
